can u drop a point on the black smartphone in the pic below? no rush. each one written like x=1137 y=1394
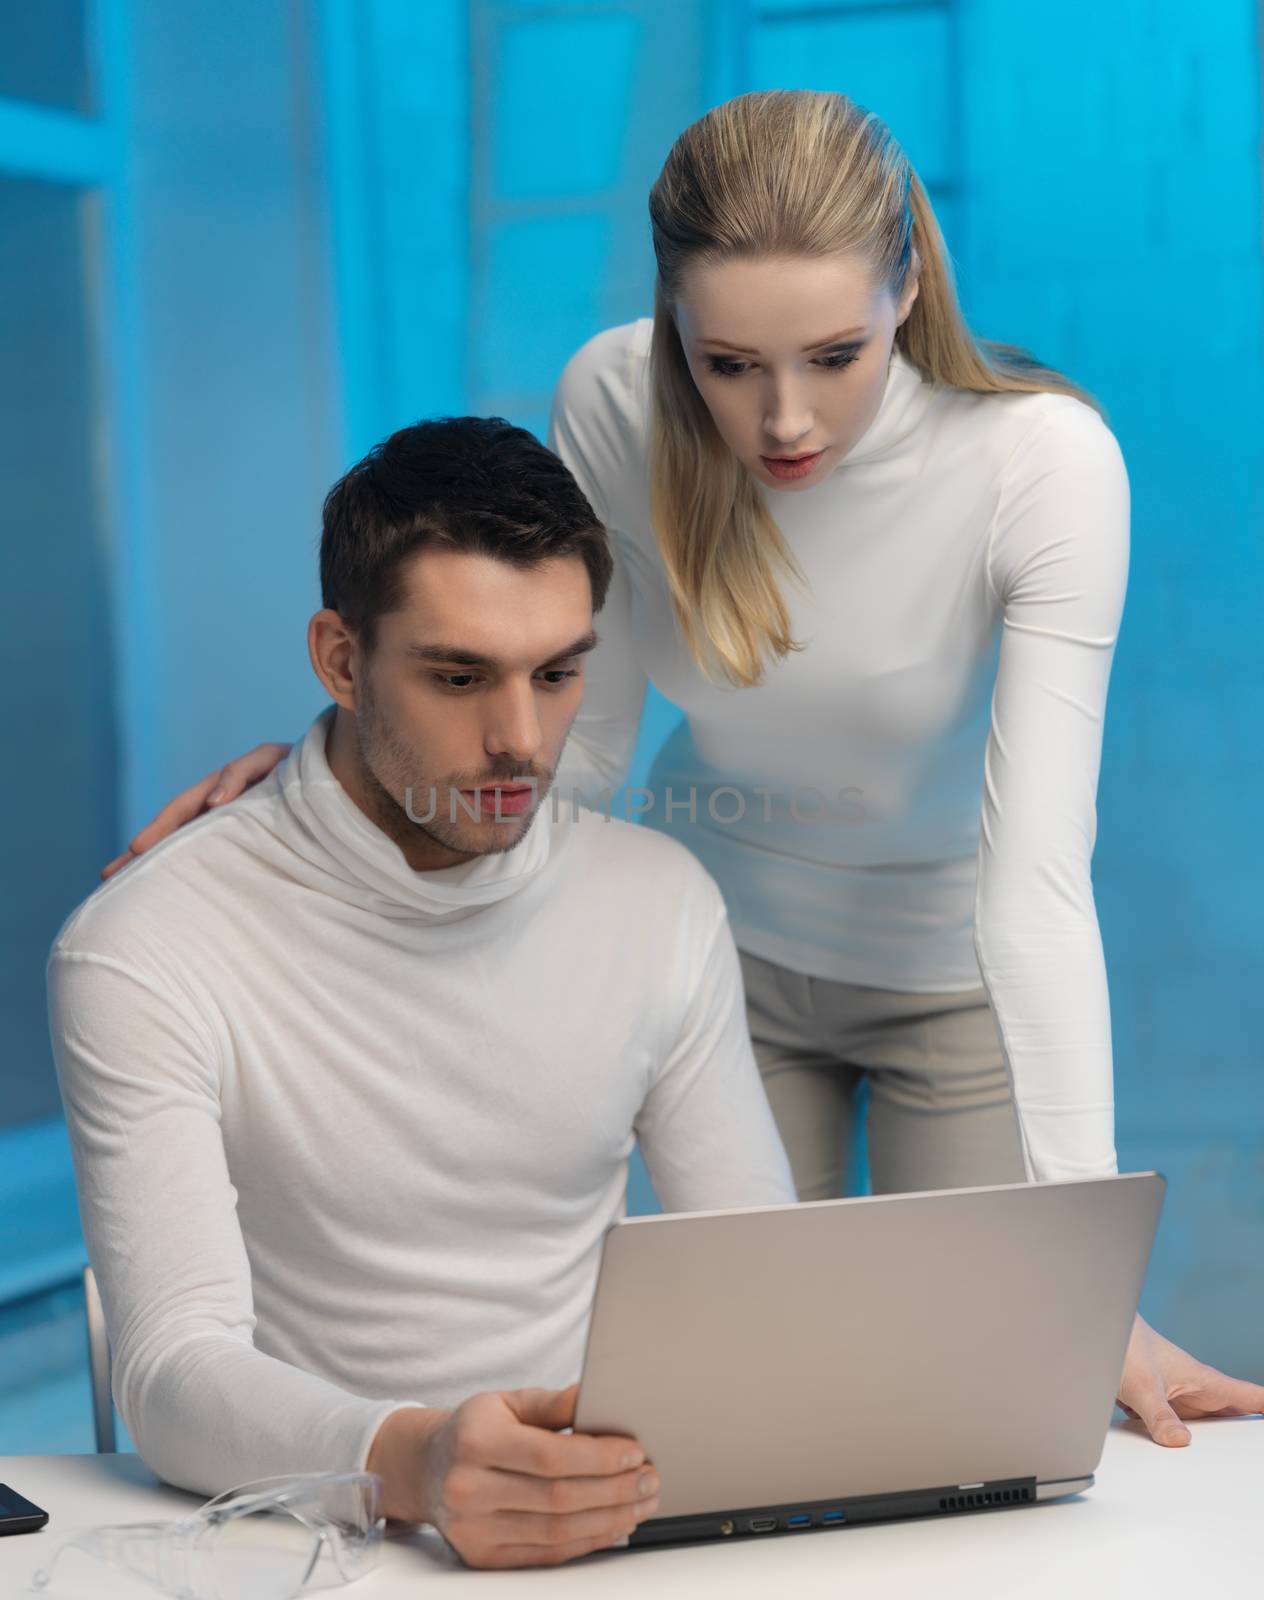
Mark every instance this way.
x=18 y=1515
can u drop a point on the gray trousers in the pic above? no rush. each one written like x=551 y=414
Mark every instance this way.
x=941 y=1109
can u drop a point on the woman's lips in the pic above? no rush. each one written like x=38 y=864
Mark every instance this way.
x=781 y=468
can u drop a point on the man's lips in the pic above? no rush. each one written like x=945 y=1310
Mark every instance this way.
x=501 y=799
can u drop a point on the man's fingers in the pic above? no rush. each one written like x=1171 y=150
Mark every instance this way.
x=541 y=1454
x=516 y=1491
x=524 y=1539
x=537 y=1450
x=603 y=1526
x=543 y=1408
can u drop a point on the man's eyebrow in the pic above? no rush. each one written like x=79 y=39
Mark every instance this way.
x=837 y=338
x=457 y=655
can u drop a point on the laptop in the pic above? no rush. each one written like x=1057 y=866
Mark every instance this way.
x=796 y=1368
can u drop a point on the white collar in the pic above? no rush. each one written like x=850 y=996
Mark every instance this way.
x=369 y=867
x=904 y=403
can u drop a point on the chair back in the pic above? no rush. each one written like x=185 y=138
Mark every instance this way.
x=99 y=1366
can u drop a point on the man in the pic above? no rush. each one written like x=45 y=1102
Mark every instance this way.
x=353 y=1066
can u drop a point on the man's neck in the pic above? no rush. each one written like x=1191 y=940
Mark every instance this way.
x=342 y=751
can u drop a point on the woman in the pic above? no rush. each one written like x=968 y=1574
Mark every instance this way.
x=880 y=566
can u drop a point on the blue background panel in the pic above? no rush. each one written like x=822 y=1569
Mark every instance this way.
x=896 y=65
x=549 y=141
x=44 y=54
x=58 y=801
x=541 y=289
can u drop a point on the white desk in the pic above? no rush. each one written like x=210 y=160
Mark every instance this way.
x=1157 y=1523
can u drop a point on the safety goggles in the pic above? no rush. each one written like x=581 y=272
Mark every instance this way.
x=267 y=1540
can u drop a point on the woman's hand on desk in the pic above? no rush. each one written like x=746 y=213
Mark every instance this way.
x=505 y=1487
x=214 y=790
x=1163 y=1383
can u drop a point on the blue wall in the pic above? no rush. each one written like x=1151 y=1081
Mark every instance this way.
x=1120 y=232
x=266 y=235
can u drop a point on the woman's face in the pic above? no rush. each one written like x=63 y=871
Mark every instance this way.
x=790 y=354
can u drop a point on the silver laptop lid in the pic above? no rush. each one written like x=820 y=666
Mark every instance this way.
x=856 y=1347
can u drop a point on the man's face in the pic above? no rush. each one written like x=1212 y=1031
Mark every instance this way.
x=469 y=695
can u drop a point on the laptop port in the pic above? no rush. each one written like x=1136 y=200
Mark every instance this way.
x=763 y=1524
x=832 y=1517
x=802 y=1520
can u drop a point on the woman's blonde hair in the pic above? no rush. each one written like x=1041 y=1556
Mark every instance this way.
x=785 y=172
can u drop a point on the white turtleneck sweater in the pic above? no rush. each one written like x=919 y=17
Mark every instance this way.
x=349 y=1136
x=919 y=783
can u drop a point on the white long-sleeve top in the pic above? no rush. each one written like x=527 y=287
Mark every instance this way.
x=917 y=787
x=348 y=1135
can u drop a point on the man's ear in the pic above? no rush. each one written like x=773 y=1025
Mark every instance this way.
x=335 y=656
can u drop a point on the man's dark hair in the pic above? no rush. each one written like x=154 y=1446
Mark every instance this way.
x=476 y=484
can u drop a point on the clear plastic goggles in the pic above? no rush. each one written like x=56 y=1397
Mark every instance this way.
x=267 y=1540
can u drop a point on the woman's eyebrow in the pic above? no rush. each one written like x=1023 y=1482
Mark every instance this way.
x=836 y=338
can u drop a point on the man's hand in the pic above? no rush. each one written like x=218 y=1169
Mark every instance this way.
x=504 y=1487
x=1161 y=1384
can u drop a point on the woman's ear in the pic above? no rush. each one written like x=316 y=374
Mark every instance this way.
x=911 y=285
x=910 y=290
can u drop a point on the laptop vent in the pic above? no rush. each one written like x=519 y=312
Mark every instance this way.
x=985 y=1497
